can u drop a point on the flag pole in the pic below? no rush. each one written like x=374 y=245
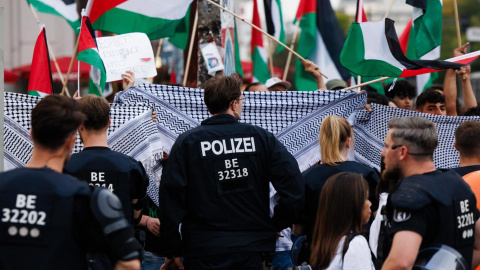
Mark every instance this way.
x=292 y=46
x=457 y=24
x=390 y=8
x=70 y=66
x=190 y=48
x=48 y=46
x=263 y=32
x=366 y=83
x=271 y=52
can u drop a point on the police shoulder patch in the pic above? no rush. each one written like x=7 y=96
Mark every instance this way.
x=401 y=216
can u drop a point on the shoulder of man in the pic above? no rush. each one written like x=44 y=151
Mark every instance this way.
x=417 y=191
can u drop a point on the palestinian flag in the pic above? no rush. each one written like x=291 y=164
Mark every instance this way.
x=156 y=18
x=259 y=56
x=66 y=9
x=360 y=15
x=182 y=32
x=88 y=53
x=372 y=49
x=274 y=19
x=238 y=61
x=40 y=82
x=425 y=36
x=320 y=41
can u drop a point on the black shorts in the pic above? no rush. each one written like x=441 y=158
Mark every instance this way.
x=227 y=261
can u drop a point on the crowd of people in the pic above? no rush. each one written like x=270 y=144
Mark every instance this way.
x=232 y=197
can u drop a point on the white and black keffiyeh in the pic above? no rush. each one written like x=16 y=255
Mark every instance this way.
x=131 y=132
x=293 y=117
x=371 y=129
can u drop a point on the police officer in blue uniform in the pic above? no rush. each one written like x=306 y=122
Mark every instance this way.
x=216 y=183
x=50 y=220
x=428 y=207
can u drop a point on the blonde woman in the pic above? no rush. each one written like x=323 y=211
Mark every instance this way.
x=335 y=141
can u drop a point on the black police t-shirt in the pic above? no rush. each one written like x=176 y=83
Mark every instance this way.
x=102 y=167
x=448 y=216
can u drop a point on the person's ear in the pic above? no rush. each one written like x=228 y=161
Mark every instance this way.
x=348 y=141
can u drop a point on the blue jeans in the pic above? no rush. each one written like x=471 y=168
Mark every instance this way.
x=282 y=260
x=151 y=261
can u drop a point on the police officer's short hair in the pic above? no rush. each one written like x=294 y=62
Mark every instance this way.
x=418 y=134
x=97 y=111
x=466 y=137
x=220 y=91
x=54 y=119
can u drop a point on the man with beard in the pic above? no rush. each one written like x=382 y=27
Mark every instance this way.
x=50 y=220
x=216 y=184
x=428 y=207
x=102 y=167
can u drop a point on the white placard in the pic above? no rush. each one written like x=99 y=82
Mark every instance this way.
x=212 y=58
x=127 y=52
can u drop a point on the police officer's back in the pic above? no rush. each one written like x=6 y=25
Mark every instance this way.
x=100 y=166
x=216 y=183
x=429 y=207
x=50 y=220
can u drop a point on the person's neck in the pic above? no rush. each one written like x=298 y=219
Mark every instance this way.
x=91 y=139
x=42 y=157
x=418 y=167
x=466 y=161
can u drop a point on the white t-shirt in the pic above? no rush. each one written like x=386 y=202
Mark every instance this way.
x=376 y=224
x=357 y=257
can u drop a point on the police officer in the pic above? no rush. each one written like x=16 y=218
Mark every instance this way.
x=50 y=220
x=428 y=207
x=102 y=167
x=216 y=183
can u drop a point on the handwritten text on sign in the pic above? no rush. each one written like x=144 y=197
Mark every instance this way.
x=127 y=52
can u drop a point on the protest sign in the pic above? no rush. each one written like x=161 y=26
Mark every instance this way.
x=127 y=52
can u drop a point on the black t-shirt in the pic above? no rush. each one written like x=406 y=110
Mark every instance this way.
x=46 y=221
x=121 y=174
x=466 y=169
x=439 y=206
x=317 y=176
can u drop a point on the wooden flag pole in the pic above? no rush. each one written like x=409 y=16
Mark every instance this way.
x=190 y=48
x=70 y=66
x=366 y=83
x=390 y=8
x=49 y=47
x=263 y=32
x=271 y=52
x=292 y=47
x=457 y=23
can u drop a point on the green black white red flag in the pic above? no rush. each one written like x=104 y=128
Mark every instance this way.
x=156 y=18
x=320 y=41
x=372 y=49
x=259 y=55
x=40 y=82
x=425 y=36
x=274 y=20
x=88 y=53
x=66 y=9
